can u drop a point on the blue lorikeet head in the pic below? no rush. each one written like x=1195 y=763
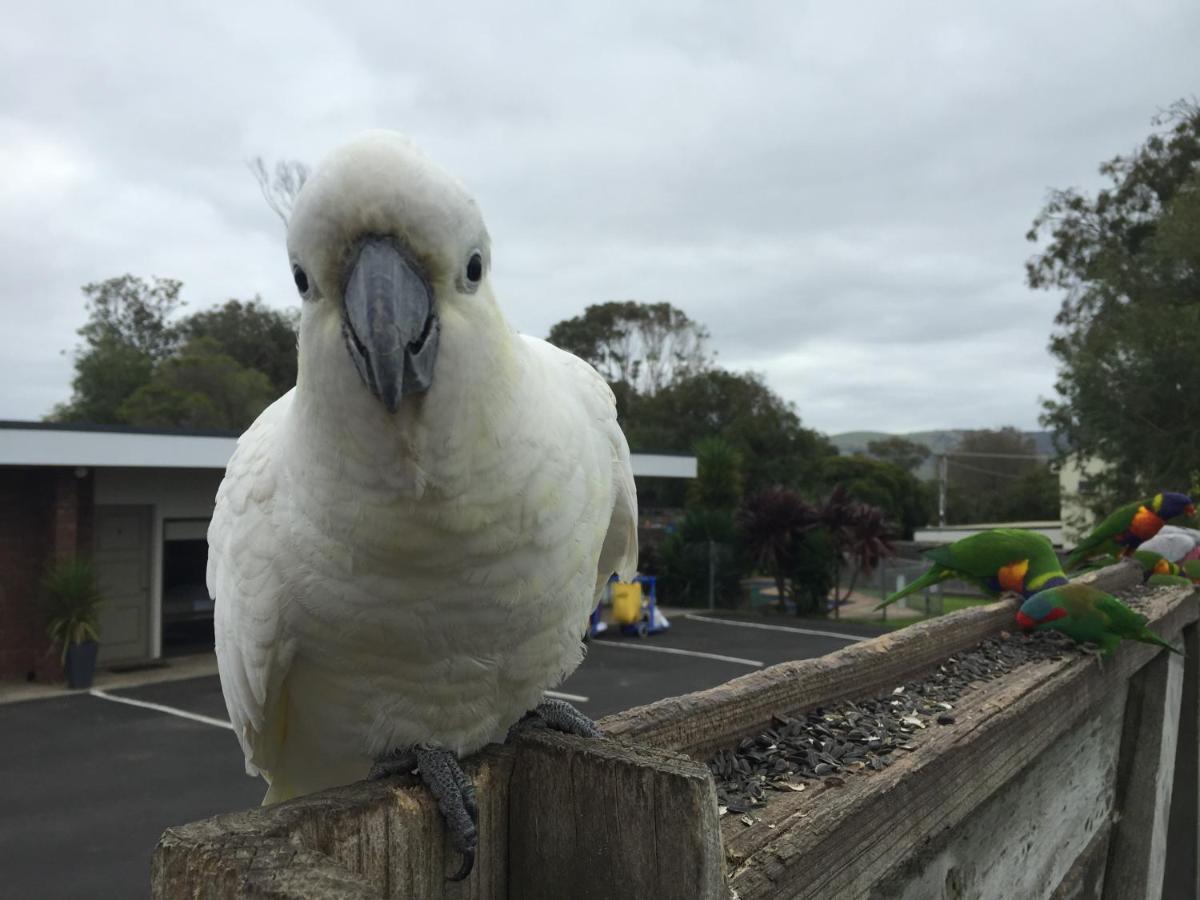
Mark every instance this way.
x=1039 y=609
x=1170 y=504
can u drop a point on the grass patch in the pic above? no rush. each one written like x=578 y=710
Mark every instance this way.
x=950 y=603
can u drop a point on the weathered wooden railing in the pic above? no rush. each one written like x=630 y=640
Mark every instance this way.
x=1065 y=778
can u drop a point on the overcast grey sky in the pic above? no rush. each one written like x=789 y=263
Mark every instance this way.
x=839 y=191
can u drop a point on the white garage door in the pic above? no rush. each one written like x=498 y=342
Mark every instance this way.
x=122 y=560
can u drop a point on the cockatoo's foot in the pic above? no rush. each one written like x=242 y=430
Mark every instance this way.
x=450 y=786
x=559 y=715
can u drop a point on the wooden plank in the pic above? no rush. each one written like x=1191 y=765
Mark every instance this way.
x=841 y=841
x=1085 y=879
x=1138 y=848
x=1182 y=877
x=598 y=820
x=1023 y=838
x=369 y=839
x=703 y=722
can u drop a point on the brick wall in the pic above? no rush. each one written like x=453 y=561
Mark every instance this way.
x=45 y=514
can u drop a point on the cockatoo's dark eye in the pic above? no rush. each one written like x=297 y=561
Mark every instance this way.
x=301 y=279
x=475 y=268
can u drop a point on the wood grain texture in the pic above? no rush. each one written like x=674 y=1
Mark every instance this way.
x=1024 y=837
x=370 y=839
x=705 y=721
x=1085 y=879
x=598 y=820
x=1182 y=878
x=842 y=842
x=1138 y=848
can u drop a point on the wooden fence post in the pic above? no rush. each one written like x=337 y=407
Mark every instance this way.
x=599 y=820
x=1138 y=849
x=1182 y=879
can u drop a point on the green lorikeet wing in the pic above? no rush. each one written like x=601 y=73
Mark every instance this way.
x=1168 y=580
x=1101 y=539
x=1155 y=563
x=1191 y=568
x=1128 y=623
x=997 y=560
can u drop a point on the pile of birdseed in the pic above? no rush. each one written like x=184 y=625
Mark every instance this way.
x=866 y=735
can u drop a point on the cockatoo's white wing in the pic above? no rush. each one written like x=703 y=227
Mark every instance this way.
x=246 y=582
x=1171 y=543
x=619 y=552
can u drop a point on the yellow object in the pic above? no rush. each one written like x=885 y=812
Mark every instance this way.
x=626 y=603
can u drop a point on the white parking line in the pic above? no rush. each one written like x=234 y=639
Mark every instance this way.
x=812 y=631
x=752 y=663
x=158 y=707
x=559 y=695
x=221 y=723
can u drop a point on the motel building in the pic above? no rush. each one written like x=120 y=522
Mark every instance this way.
x=138 y=503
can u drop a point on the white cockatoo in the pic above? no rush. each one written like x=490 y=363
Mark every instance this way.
x=1174 y=543
x=407 y=545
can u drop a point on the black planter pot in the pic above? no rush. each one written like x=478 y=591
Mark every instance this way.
x=81 y=664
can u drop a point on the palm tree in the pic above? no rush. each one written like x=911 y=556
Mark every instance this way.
x=870 y=542
x=859 y=533
x=769 y=521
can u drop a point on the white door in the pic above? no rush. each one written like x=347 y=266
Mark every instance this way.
x=122 y=561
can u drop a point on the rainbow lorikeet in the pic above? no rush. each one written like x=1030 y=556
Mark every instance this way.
x=1002 y=559
x=1191 y=569
x=1124 y=530
x=1086 y=614
x=1155 y=563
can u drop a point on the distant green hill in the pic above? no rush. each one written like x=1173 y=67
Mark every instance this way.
x=852 y=442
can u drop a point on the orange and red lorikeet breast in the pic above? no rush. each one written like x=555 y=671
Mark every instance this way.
x=1145 y=525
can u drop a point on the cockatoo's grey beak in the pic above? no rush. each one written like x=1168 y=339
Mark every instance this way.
x=389 y=324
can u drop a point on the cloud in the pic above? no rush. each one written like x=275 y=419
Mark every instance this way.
x=839 y=193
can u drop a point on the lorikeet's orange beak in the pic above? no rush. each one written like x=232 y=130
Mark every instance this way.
x=1190 y=510
x=1024 y=622
x=1162 y=567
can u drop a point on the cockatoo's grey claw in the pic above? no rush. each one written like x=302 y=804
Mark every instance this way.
x=561 y=716
x=450 y=786
x=398 y=762
x=455 y=794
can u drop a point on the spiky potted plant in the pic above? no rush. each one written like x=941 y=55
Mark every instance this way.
x=72 y=606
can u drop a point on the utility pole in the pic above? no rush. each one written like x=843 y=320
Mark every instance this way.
x=943 y=469
x=712 y=573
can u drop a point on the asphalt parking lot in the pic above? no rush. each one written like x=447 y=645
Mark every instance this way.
x=88 y=783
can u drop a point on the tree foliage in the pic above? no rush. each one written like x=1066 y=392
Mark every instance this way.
x=128 y=331
x=908 y=455
x=718 y=482
x=1010 y=486
x=740 y=409
x=254 y=335
x=858 y=535
x=201 y=388
x=772 y=523
x=139 y=364
x=706 y=542
x=1127 y=260
x=647 y=346
x=906 y=502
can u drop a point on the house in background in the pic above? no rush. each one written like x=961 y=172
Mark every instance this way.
x=138 y=502
x=1075 y=493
